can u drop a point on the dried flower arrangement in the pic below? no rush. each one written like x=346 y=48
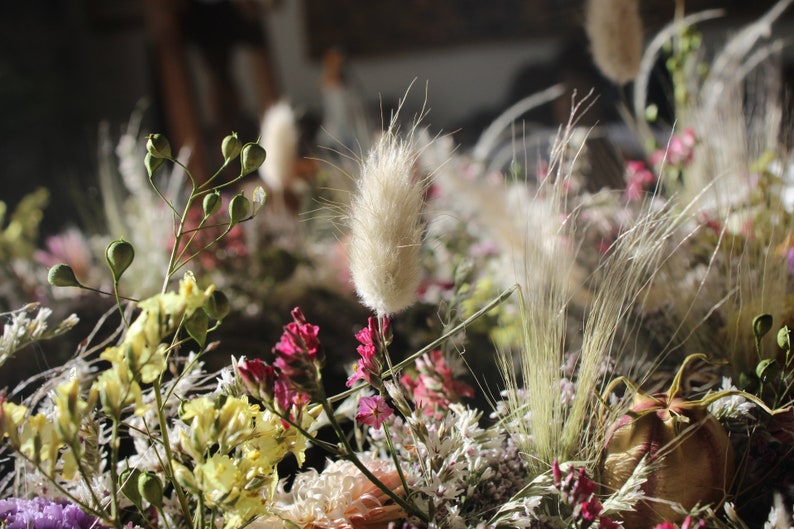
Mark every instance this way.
x=587 y=302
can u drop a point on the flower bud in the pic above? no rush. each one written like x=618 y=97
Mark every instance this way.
x=238 y=209
x=231 y=146
x=217 y=306
x=158 y=146
x=212 y=203
x=119 y=255
x=251 y=157
x=62 y=275
x=152 y=164
x=257 y=377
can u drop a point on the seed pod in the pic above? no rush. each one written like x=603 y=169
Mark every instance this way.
x=217 y=306
x=238 y=209
x=211 y=203
x=231 y=146
x=158 y=146
x=691 y=456
x=251 y=157
x=152 y=164
x=151 y=488
x=119 y=255
x=62 y=275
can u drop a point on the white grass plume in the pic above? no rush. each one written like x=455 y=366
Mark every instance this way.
x=616 y=41
x=279 y=137
x=386 y=225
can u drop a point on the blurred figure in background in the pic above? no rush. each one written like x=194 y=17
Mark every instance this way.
x=200 y=108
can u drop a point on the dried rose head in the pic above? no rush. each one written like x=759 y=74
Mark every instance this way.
x=690 y=455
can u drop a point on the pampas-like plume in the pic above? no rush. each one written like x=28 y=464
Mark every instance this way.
x=386 y=226
x=615 y=31
x=280 y=140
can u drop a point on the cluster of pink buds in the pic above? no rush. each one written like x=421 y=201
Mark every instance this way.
x=578 y=490
x=293 y=379
x=370 y=366
x=688 y=523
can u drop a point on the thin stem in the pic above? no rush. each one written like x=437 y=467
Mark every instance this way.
x=114 y=461
x=169 y=467
x=501 y=298
x=393 y=452
x=88 y=509
x=351 y=456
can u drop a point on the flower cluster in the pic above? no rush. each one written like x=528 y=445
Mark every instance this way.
x=579 y=491
x=42 y=513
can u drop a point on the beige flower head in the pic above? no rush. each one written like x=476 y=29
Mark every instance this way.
x=615 y=31
x=386 y=225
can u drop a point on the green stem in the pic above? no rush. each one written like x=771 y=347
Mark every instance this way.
x=88 y=509
x=501 y=298
x=393 y=452
x=351 y=456
x=114 y=479
x=169 y=467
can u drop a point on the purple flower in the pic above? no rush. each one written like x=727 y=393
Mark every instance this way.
x=41 y=513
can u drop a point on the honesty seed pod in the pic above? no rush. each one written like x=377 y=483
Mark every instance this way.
x=119 y=255
x=251 y=157
x=690 y=455
x=231 y=146
x=238 y=208
x=211 y=203
x=62 y=275
x=158 y=146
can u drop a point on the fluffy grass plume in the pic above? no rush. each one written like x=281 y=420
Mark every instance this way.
x=616 y=42
x=386 y=224
x=280 y=140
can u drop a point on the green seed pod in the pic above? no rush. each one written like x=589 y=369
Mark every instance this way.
x=238 y=209
x=217 y=306
x=251 y=157
x=151 y=489
x=231 y=146
x=212 y=203
x=119 y=255
x=197 y=325
x=152 y=164
x=62 y=275
x=128 y=484
x=158 y=146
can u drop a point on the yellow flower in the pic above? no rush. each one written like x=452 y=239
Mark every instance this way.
x=69 y=409
x=219 y=480
x=39 y=441
x=11 y=418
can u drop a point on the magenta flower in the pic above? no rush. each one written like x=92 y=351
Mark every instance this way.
x=299 y=338
x=368 y=368
x=578 y=490
x=257 y=377
x=373 y=411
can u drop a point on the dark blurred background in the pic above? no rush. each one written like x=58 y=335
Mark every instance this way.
x=205 y=67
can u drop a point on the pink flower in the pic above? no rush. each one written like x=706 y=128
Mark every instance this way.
x=257 y=377
x=373 y=411
x=638 y=180
x=299 y=337
x=369 y=366
x=434 y=386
